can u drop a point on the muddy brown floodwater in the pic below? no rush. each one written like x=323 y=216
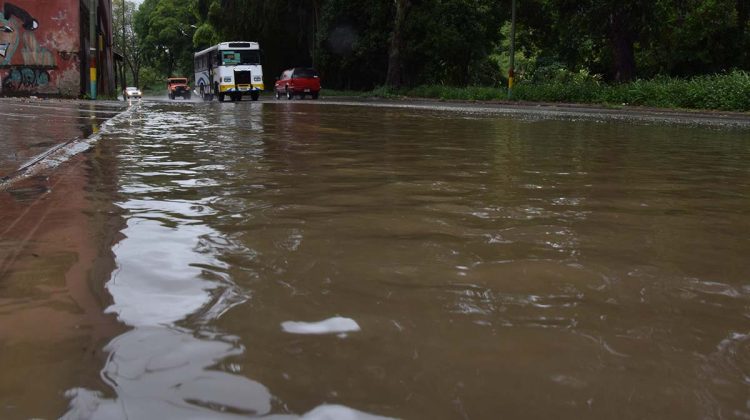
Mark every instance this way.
x=291 y=259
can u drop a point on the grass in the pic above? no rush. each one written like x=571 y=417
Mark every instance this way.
x=725 y=92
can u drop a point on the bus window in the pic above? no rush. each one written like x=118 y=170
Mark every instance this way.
x=250 y=57
x=230 y=57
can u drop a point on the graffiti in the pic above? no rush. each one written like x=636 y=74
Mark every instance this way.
x=25 y=61
x=33 y=54
x=17 y=26
x=20 y=78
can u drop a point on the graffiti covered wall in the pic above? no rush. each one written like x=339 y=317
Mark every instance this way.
x=39 y=47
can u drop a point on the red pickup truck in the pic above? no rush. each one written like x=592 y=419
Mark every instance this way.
x=178 y=86
x=298 y=81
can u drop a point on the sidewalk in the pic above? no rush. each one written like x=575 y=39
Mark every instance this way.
x=34 y=127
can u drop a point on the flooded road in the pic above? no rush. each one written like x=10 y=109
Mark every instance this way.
x=26 y=135
x=291 y=259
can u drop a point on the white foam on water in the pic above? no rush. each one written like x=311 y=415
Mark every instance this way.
x=339 y=412
x=335 y=325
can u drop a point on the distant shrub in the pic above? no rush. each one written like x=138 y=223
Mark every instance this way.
x=152 y=80
x=557 y=73
x=726 y=91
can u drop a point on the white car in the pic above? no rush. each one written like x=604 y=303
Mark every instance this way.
x=132 y=93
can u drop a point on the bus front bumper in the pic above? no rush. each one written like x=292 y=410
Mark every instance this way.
x=241 y=88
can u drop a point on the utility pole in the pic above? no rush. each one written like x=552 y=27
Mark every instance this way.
x=92 y=48
x=512 y=70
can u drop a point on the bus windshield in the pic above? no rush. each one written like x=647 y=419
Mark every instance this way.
x=229 y=58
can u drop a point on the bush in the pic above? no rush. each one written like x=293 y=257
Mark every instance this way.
x=726 y=92
x=151 y=80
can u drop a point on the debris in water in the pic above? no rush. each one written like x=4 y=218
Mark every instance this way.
x=335 y=325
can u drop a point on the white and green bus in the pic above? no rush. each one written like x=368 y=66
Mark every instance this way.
x=229 y=69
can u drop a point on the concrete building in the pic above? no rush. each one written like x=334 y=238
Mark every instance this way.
x=45 y=48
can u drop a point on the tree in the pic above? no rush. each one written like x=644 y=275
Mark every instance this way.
x=395 y=60
x=125 y=37
x=165 y=30
x=360 y=44
x=449 y=41
x=609 y=29
x=285 y=30
x=353 y=40
x=639 y=38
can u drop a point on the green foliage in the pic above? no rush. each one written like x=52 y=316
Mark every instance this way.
x=205 y=36
x=566 y=49
x=152 y=79
x=284 y=29
x=556 y=72
x=696 y=37
x=126 y=39
x=662 y=37
x=165 y=30
x=353 y=47
x=728 y=92
x=450 y=41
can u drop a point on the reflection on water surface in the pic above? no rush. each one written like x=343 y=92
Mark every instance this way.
x=493 y=267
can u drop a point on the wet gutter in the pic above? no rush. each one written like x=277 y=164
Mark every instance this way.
x=59 y=153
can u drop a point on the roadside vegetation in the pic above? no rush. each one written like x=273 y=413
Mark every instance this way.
x=725 y=92
x=661 y=53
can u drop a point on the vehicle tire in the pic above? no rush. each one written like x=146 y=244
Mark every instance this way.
x=254 y=95
x=238 y=97
x=289 y=95
x=221 y=97
x=278 y=95
x=171 y=96
x=314 y=95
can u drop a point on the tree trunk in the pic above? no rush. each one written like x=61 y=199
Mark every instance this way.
x=622 y=40
x=743 y=15
x=314 y=29
x=135 y=69
x=743 y=18
x=394 y=76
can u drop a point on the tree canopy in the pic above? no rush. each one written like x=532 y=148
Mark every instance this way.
x=360 y=44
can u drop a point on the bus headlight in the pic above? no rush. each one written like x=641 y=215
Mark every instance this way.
x=257 y=78
x=227 y=79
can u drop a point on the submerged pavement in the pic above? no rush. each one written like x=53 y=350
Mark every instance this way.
x=334 y=258
x=34 y=128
